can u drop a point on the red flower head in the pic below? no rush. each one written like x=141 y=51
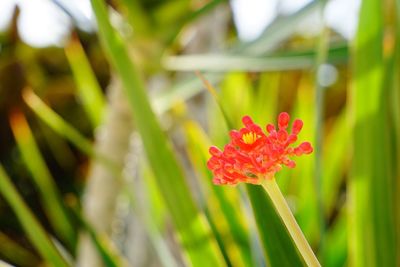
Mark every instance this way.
x=251 y=155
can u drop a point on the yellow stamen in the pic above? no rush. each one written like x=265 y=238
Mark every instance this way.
x=249 y=138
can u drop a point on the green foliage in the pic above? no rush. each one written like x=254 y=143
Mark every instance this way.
x=32 y=227
x=194 y=233
x=224 y=211
x=278 y=245
x=343 y=196
x=372 y=183
x=89 y=90
x=41 y=175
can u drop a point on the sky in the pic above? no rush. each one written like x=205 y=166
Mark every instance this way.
x=42 y=23
x=252 y=16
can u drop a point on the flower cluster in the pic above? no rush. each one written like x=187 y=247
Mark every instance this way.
x=252 y=155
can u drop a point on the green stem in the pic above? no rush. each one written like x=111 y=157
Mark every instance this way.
x=295 y=232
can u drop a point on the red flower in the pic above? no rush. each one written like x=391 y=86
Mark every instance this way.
x=251 y=155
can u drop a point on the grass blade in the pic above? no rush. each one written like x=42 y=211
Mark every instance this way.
x=303 y=180
x=321 y=59
x=61 y=127
x=194 y=233
x=54 y=121
x=278 y=245
x=89 y=90
x=336 y=161
x=50 y=197
x=15 y=253
x=335 y=252
x=236 y=241
x=281 y=206
x=235 y=62
x=372 y=224
x=34 y=230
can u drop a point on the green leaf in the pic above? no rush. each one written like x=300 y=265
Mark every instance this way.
x=89 y=90
x=335 y=252
x=36 y=234
x=61 y=127
x=50 y=196
x=13 y=252
x=303 y=178
x=236 y=62
x=336 y=160
x=279 y=247
x=194 y=232
x=372 y=226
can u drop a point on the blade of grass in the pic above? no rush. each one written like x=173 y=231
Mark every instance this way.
x=58 y=146
x=213 y=92
x=194 y=233
x=336 y=161
x=264 y=99
x=235 y=62
x=222 y=208
x=336 y=249
x=281 y=206
x=371 y=223
x=33 y=229
x=396 y=115
x=321 y=59
x=15 y=253
x=54 y=121
x=279 y=247
x=237 y=91
x=50 y=197
x=89 y=90
x=61 y=127
x=307 y=212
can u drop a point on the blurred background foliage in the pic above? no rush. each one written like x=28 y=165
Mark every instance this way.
x=105 y=133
